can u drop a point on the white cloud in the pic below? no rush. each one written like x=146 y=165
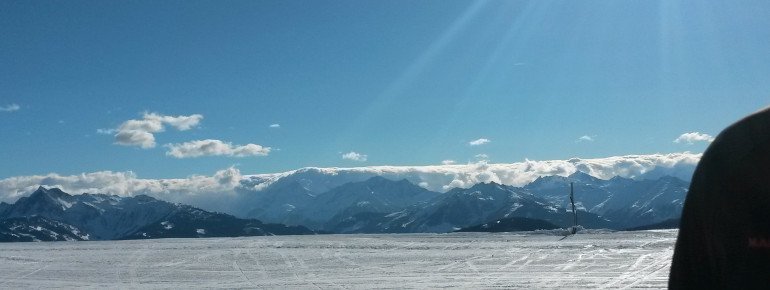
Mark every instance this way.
x=181 y=123
x=480 y=141
x=151 y=126
x=10 y=108
x=692 y=137
x=228 y=178
x=585 y=138
x=211 y=147
x=141 y=132
x=482 y=156
x=275 y=125
x=354 y=156
x=139 y=138
x=448 y=162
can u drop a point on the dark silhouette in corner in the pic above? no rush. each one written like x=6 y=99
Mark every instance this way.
x=724 y=236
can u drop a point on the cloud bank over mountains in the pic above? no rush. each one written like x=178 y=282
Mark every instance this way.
x=224 y=185
x=204 y=191
x=445 y=177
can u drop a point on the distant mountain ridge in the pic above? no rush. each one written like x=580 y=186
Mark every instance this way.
x=109 y=217
x=104 y=217
x=358 y=207
x=374 y=205
x=291 y=203
x=626 y=202
x=460 y=208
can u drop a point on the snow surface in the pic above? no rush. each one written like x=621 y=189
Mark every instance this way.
x=592 y=260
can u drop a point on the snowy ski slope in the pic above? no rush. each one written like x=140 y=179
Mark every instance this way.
x=467 y=260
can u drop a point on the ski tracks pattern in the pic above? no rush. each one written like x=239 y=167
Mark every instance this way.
x=611 y=260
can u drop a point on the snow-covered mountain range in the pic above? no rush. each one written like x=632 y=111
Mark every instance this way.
x=460 y=208
x=380 y=205
x=373 y=205
x=224 y=190
x=37 y=228
x=290 y=202
x=625 y=202
x=51 y=214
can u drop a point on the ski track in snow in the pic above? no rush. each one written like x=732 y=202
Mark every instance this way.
x=607 y=260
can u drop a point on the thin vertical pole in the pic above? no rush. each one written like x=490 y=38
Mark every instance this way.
x=572 y=200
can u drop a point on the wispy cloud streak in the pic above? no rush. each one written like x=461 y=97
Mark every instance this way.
x=10 y=108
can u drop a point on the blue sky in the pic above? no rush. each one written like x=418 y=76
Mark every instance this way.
x=399 y=82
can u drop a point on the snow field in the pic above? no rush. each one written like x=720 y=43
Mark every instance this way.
x=594 y=260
